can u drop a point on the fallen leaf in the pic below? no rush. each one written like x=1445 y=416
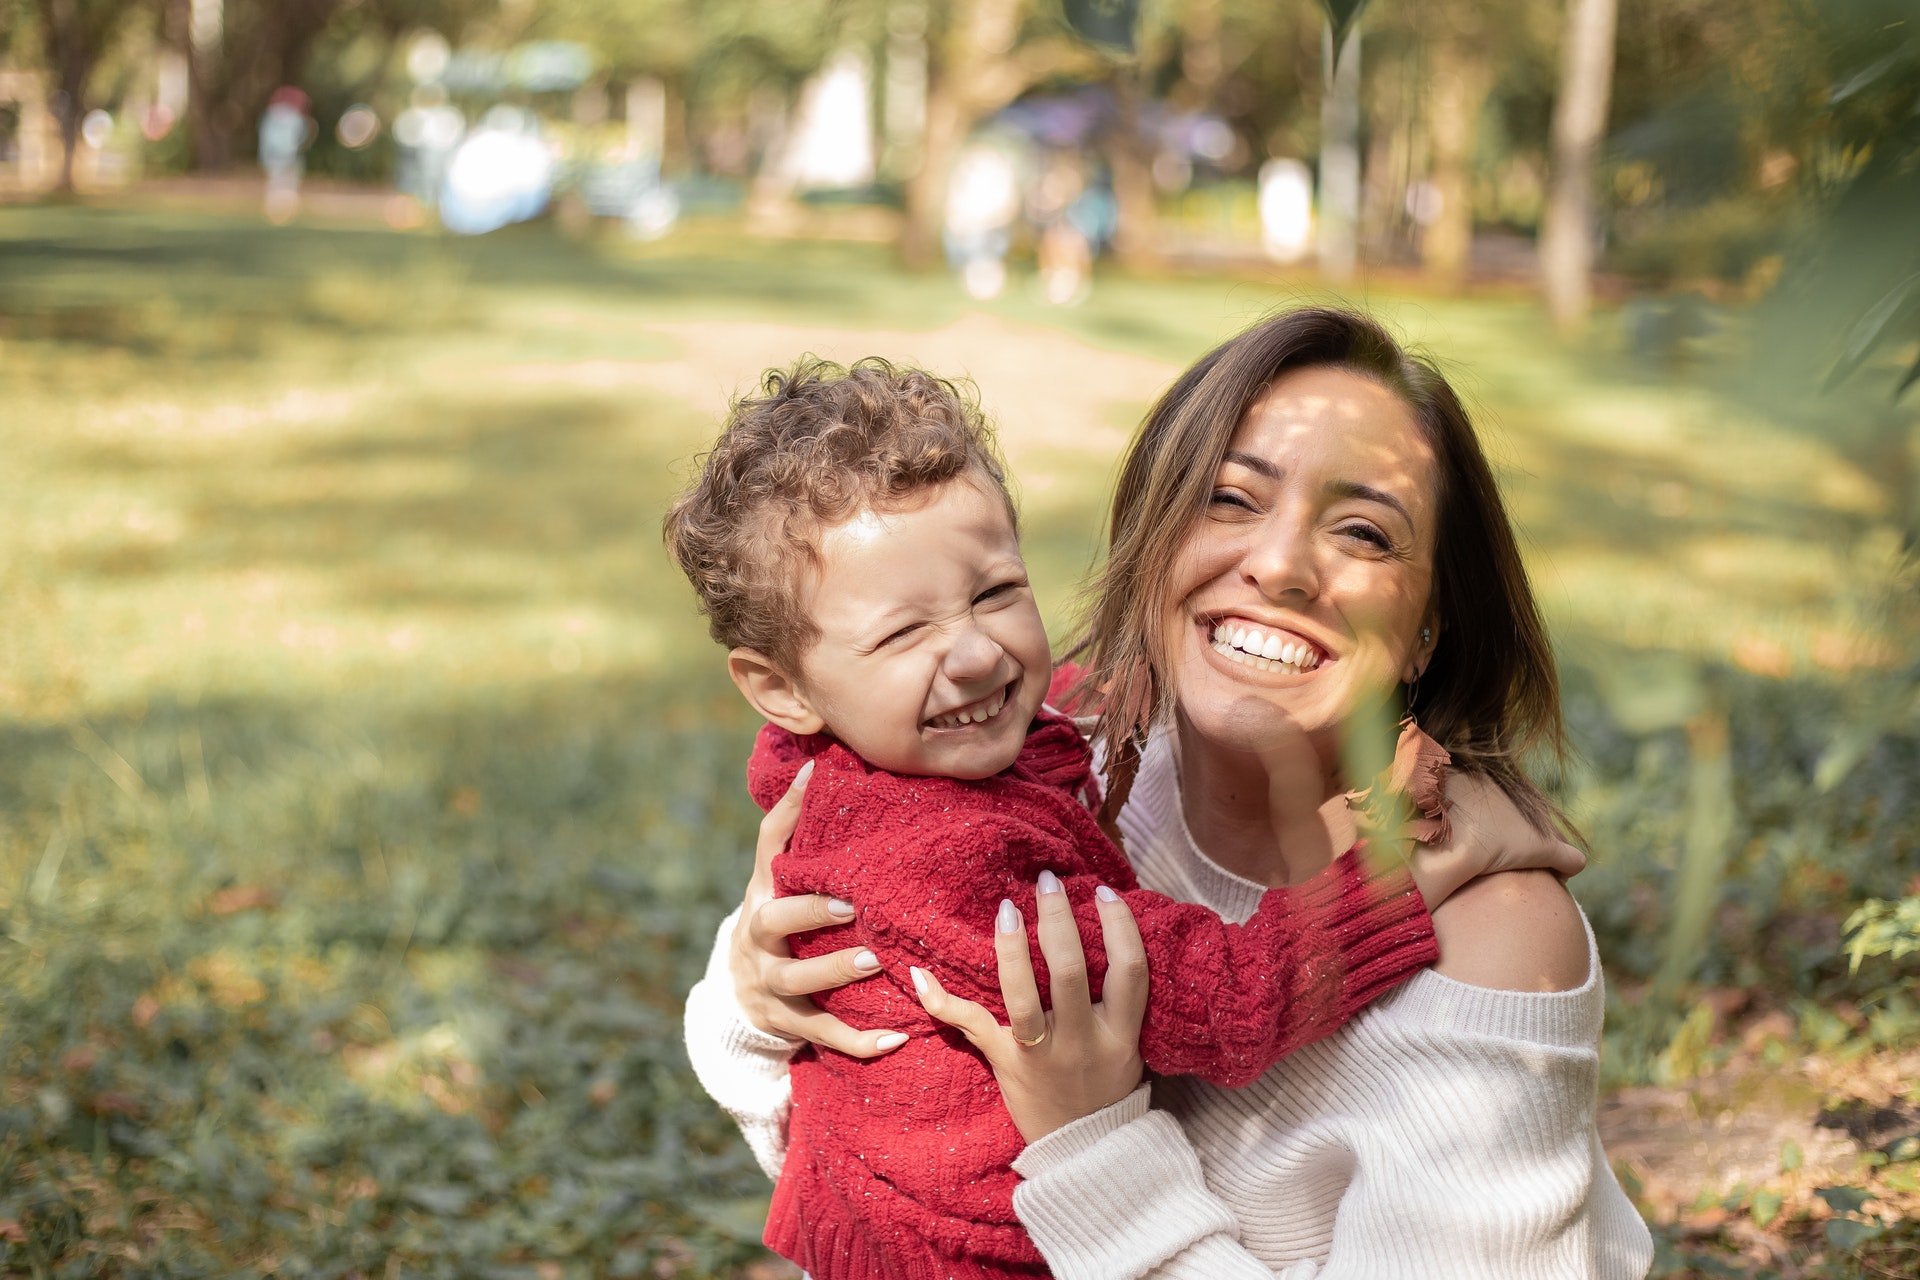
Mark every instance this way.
x=243 y=897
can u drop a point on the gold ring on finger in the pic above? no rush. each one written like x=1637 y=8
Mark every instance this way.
x=1028 y=1044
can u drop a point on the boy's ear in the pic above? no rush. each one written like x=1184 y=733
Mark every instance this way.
x=773 y=693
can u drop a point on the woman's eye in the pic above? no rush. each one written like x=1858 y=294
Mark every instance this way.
x=1368 y=534
x=1228 y=498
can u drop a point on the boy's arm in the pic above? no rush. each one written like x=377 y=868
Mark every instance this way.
x=741 y=1068
x=1226 y=1001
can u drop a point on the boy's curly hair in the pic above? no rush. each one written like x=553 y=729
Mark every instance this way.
x=818 y=444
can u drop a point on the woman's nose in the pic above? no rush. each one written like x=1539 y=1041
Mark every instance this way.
x=1280 y=560
x=973 y=656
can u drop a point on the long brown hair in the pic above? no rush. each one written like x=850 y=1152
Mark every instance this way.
x=1490 y=692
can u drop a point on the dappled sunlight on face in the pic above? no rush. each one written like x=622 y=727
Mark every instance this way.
x=1307 y=580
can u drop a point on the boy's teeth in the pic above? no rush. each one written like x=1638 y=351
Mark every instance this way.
x=1263 y=650
x=975 y=714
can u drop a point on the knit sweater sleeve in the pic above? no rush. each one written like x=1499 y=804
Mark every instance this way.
x=741 y=1067
x=1225 y=1001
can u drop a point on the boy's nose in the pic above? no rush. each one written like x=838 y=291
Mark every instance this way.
x=974 y=655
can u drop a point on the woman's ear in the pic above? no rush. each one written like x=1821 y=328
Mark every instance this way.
x=773 y=693
x=1423 y=648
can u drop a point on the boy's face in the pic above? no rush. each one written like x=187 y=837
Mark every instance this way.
x=932 y=658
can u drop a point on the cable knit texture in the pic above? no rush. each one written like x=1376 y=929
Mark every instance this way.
x=1446 y=1134
x=901 y=1166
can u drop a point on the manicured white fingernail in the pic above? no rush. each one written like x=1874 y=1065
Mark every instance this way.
x=866 y=962
x=919 y=978
x=1008 y=919
x=1105 y=894
x=891 y=1040
x=840 y=907
x=1049 y=882
x=800 y=778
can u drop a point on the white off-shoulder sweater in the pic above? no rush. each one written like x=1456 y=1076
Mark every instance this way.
x=1447 y=1133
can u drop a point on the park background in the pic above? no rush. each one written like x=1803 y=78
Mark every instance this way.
x=369 y=789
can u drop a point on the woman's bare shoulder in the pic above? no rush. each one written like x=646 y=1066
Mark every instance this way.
x=1513 y=931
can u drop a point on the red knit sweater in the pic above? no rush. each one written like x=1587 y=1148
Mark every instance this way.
x=898 y=1167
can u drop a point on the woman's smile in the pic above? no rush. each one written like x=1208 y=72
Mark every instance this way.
x=1264 y=646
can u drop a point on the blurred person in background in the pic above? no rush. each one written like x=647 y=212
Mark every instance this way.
x=983 y=203
x=285 y=131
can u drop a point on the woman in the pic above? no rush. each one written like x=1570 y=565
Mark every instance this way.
x=1309 y=480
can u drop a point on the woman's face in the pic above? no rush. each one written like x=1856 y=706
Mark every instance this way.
x=1304 y=585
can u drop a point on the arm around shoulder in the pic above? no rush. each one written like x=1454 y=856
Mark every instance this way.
x=1513 y=931
x=741 y=1068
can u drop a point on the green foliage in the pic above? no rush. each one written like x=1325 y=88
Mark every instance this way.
x=1878 y=928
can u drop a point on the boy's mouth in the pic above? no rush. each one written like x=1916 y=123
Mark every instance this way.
x=974 y=712
x=1265 y=648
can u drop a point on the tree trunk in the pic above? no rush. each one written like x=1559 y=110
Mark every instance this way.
x=974 y=67
x=1579 y=123
x=1136 y=237
x=1339 y=212
x=947 y=127
x=263 y=44
x=1457 y=88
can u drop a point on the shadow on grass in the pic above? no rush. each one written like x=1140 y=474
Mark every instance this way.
x=303 y=989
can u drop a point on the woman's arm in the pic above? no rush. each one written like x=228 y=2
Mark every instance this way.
x=753 y=1006
x=741 y=1067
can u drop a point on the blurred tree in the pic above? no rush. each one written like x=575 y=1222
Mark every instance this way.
x=982 y=54
x=1579 y=123
x=236 y=63
x=75 y=33
x=700 y=52
x=1461 y=41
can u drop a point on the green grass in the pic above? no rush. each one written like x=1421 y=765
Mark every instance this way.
x=369 y=789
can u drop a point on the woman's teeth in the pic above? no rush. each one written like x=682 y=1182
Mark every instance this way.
x=985 y=709
x=1263 y=650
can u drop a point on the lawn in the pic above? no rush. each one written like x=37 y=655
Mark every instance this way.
x=369 y=789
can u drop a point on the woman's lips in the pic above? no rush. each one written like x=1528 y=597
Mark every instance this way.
x=1263 y=648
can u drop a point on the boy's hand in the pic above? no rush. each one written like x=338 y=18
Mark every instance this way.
x=774 y=990
x=1488 y=834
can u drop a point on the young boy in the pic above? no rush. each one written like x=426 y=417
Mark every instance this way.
x=854 y=546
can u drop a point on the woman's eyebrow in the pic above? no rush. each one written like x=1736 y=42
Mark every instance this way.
x=1367 y=493
x=1253 y=462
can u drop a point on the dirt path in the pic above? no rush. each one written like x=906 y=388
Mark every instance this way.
x=1045 y=389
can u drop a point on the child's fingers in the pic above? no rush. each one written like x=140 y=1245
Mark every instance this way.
x=1566 y=859
x=1066 y=959
x=973 y=1020
x=1018 y=988
x=1124 y=993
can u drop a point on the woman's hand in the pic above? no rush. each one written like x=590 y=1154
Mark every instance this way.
x=1489 y=834
x=1078 y=1058
x=772 y=987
